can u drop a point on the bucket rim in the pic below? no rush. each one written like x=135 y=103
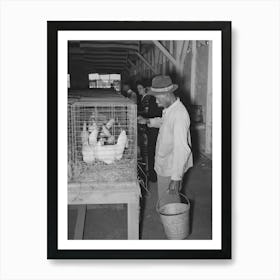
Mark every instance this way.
x=183 y=211
x=184 y=196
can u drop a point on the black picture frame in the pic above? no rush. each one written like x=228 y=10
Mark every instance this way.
x=52 y=102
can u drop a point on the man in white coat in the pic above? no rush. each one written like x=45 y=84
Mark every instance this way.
x=173 y=155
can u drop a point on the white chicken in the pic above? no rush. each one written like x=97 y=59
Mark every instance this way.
x=88 y=143
x=93 y=150
x=88 y=153
x=92 y=139
x=111 y=140
x=110 y=123
x=84 y=134
x=110 y=153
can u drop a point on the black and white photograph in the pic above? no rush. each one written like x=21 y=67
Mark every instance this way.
x=139 y=155
x=139 y=140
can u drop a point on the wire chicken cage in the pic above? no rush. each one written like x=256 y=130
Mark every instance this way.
x=102 y=139
x=70 y=146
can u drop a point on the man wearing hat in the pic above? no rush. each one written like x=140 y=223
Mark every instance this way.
x=173 y=155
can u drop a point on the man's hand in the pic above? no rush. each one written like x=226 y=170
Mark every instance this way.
x=141 y=120
x=174 y=187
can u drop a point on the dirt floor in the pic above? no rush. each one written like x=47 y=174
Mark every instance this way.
x=110 y=221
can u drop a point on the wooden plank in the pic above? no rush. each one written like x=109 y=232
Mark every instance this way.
x=109 y=46
x=184 y=50
x=131 y=63
x=153 y=58
x=150 y=60
x=171 y=50
x=76 y=51
x=183 y=56
x=124 y=42
x=156 y=57
x=93 y=65
x=179 y=47
x=101 y=198
x=101 y=59
x=80 y=222
x=113 y=63
x=193 y=72
x=166 y=53
x=99 y=56
x=146 y=62
x=164 y=59
x=85 y=193
x=133 y=221
x=208 y=121
x=127 y=69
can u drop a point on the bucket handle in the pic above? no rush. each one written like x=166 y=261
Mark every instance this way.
x=180 y=194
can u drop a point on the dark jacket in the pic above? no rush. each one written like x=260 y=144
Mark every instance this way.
x=148 y=107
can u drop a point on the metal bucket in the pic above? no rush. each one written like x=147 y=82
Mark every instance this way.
x=175 y=218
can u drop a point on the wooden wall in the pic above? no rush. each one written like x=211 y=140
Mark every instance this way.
x=191 y=69
x=189 y=63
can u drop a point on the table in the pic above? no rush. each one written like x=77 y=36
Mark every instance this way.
x=106 y=193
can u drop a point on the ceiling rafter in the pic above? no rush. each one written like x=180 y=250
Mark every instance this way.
x=99 y=60
x=108 y=46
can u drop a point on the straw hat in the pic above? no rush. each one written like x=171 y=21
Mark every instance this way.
x=162 y=85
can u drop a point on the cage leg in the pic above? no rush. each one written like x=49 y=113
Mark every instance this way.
x=80 y=222
x=133 y=220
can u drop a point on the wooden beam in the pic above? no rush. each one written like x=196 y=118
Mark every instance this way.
x=105 y=60
x=110 y=46
x=125 y=42
x=193 y=72
x=146 y=62
x=179 y=47
x=133 y=221
x=153 y=59
x=208 y=118
x=171 y=50
x=156 y=62
x=98 y=56
x=91 y=65
x=164 y=59
x=80 y=222
x=131 y=63
x=107 y=67
x=77 y=50
x=184 y=50
x=166 y=53
x=97 y=61
x=183 y=56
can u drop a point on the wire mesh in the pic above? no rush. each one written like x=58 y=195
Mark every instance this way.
x=102 y=139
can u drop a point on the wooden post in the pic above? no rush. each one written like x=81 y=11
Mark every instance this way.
x=164 y=60
x=80 y=222
x=131 y=63
x=183 y=56
x=150 y=60
x=146 y=62
x=133 y=220
x=171 y=50
x=166 y=53
x=153 y=59
x=193 y=72
x=179 y=47
x=208 y=122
